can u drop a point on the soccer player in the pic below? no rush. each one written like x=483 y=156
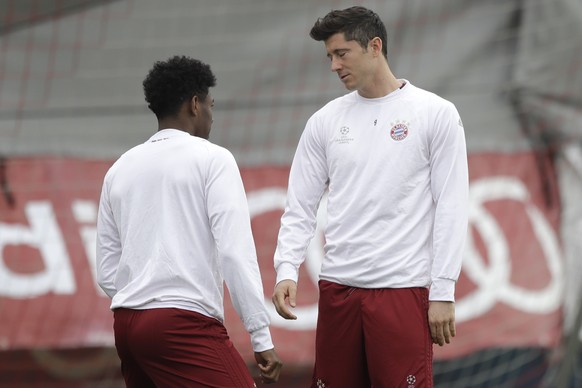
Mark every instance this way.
x=393 y=160
x=173 y=226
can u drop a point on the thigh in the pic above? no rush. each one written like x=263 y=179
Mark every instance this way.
x=397 y=337
x=339 y=349
x=182 y=348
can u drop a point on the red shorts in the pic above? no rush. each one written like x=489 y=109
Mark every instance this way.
x=176 y=348
x=372 y=338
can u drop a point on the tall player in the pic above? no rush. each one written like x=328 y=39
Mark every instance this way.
x=393 y=159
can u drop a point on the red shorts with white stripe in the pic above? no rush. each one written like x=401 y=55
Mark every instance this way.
x=171 y=347
x=372 y=338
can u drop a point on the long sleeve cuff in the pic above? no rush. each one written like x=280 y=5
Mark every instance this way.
x=442 y=290
x=287 y=271
x=261 y=339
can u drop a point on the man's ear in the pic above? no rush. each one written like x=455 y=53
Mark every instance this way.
x=376 y=46
x=194 y=105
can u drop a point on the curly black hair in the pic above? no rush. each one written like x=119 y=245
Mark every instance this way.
x=357 y=23
x=172 y=82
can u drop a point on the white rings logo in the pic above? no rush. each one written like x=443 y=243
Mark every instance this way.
x=492 y=277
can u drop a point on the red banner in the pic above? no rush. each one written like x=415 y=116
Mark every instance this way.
x=509 y=293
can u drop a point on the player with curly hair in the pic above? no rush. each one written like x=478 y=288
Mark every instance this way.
x=173 y=227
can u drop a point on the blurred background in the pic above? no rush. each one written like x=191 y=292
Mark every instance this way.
x=71 y=102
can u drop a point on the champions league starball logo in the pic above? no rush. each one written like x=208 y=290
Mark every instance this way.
x=399 y=131
x=411 y=380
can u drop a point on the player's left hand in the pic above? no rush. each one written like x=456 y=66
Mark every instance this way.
x=441 y=320
x=285 y=290
x=270 y=365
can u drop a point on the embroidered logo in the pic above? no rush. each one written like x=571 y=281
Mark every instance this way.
x=320 y=383
x=411 y=380
x=343 y=138
x=399 y=131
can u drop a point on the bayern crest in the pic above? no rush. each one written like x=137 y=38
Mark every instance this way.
x=399 y=131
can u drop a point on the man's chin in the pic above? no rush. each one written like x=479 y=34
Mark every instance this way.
x=349 y=87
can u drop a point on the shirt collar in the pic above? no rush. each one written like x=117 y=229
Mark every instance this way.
x=166 y=133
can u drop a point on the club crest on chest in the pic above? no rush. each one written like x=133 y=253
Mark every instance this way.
x=399 y=130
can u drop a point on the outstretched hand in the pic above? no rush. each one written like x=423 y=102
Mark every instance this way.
x=441 y=320
x=285 y=290
x=270 y=365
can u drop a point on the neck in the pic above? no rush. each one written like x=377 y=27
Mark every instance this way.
x=382 y=83
x=173 y=122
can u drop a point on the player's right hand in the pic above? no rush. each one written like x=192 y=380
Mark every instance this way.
x=285 y=291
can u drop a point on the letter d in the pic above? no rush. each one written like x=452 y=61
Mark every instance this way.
x=45 y=235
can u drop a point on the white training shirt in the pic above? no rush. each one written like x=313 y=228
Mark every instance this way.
x=396 y=172
x=173 y=220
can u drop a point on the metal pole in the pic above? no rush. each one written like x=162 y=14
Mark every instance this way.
x=573 y=348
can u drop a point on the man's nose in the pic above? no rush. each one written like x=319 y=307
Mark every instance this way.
x=335 y=64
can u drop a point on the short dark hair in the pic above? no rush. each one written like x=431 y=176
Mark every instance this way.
x=172 y=82
x=356 y=23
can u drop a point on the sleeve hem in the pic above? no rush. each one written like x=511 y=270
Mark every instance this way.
x=442 y=290
x=287 y=271
x=261 y=340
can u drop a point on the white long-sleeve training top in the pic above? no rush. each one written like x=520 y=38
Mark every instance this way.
x=396 y=172
x=173 y=226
